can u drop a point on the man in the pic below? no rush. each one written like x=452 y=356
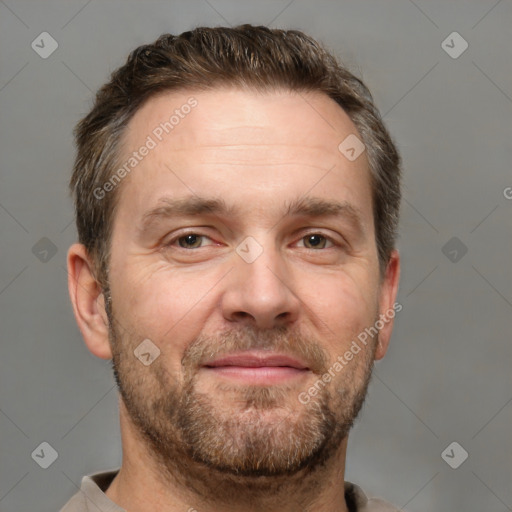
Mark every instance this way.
x=237 y=200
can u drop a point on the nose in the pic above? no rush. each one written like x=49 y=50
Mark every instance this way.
x=261 y=292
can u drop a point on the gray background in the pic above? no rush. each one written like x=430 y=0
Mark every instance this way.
x=447 y=374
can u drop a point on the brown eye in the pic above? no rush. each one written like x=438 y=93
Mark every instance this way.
x=190 y=241
x=315 y=241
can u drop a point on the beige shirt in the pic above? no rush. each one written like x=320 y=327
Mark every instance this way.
x=92 y=497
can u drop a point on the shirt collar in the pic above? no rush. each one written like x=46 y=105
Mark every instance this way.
x=94 y=487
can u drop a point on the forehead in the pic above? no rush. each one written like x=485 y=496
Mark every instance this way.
x=235 y=143
x=235 y=116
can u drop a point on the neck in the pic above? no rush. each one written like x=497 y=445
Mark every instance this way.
x=145 y=484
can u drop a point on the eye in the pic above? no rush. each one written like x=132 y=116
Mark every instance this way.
x=312 y=241
x=189 y=241
x=316 y=241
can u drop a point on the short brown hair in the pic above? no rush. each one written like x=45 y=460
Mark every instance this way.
x=246 y=56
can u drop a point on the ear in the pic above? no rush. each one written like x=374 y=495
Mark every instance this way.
x=387 y=306
x=88 y=302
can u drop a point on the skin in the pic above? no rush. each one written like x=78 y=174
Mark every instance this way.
x=258 y=152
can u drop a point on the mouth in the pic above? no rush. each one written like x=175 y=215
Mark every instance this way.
x=256 y=367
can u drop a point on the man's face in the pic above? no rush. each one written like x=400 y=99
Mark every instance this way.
x=248 y=307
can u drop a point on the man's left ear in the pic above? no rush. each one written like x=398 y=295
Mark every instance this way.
x=387 y=305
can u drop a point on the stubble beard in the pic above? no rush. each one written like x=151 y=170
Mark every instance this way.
x=261 y=440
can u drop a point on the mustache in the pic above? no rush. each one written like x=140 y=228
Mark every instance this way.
x=280 y=339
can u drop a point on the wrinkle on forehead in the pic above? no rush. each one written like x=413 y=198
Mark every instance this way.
x=275 y=145
x=232 y=116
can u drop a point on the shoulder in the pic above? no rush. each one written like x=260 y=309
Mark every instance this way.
x=77 y=503
x=92 y=490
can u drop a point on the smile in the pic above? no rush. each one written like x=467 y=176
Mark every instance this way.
x=257 y=367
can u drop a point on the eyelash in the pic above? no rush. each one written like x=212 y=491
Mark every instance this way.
x=183 y=235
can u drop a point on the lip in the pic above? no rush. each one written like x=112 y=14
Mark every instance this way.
x=256 y=367
x=257 y=359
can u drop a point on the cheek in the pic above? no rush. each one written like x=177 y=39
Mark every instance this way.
x=340 y=308
x=170 y=307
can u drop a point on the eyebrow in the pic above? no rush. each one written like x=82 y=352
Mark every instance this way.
x=313 y=207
